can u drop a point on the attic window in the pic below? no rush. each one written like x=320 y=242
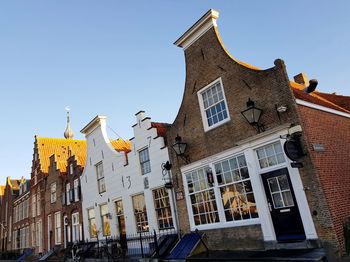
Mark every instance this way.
x=213 y=105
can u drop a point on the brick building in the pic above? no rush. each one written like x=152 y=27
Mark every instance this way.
x=2 y=218
x=238 y=182
x=21 y=229
x=50 y=156
x=10 y=192
x=72 y=198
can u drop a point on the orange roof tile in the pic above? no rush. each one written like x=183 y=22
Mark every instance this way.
x=121 y=145
x=336 y=102
x=60 y=147
x=2 y=190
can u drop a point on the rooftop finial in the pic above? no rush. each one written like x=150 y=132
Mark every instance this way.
x=68 y=134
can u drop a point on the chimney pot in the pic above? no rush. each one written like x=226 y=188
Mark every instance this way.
x=301 y=79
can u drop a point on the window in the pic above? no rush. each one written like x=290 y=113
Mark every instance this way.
x=75 y=227
x=49 y=230
x=58 y=228
x=140 y=213
x=144 y=161
x=100 y=178
x=71 y=169
x=76 y=190
x=280 y=192
x=220 y=193
x=202 y=197
x=213 y=105
x=92 y=223
x=53 y=192
x=106 y=229
x=38 y=204
x=39 y=235
x=67 y=194
x=270 y=155
x=162 y=207
x=33 y=234
x=33 y=205
x=236 y=190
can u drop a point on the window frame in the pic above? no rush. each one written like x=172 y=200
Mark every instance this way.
x=203 y=110
x=91 y=219
x=53 y=192
x=167 y=214
x=270 y=167
x=146 y=162
x=58 y=235
x=67 y=193
x=75 y=227
x=101 y=179
x=76 y=189
x=139 y=223
x=105 y=221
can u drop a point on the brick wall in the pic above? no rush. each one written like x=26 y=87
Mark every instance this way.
x=206 y=61
x=332 y=166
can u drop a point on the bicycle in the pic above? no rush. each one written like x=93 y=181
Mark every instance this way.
x=112 y=250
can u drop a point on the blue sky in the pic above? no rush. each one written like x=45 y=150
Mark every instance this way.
x=115 y=58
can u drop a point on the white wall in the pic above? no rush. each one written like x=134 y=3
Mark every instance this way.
x=122 y=181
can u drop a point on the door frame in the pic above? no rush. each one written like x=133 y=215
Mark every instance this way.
x=296 y=183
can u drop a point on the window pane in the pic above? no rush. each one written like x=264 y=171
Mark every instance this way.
x=273 y=185
x=287 y=198
x=283 y=181
x=277 y=200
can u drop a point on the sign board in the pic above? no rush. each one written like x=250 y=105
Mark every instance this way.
x=293 y=149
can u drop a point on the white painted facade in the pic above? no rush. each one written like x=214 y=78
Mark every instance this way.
x=122 y=175
x=248 y=148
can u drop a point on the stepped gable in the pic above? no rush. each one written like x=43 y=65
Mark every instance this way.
x=62 y=148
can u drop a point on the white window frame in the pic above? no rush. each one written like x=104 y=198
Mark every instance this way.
x=53 y=190
x=270 y=167
x=76 y=190
x=90 y=220
x=201 y=106
x=33 y=205
x=67 y=190
x=58 y=237
x=101 y=184
x=49 y=228
x=38 y=204
x=75 y=227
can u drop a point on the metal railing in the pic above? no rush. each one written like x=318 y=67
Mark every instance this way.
x=141 y=245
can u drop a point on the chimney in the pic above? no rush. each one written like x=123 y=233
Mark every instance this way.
x=301 y=79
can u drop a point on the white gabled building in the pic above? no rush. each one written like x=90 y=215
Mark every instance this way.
x=124 y=190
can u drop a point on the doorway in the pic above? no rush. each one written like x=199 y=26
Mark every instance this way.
x=283 y=206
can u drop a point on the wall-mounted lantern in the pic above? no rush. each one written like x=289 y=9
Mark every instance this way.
x=252 y=115
x=180 y=148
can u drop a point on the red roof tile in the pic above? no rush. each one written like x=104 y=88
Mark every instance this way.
x=161 y=128
x=336 y=102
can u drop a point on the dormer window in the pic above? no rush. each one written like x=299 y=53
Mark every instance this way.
x=213 y=105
